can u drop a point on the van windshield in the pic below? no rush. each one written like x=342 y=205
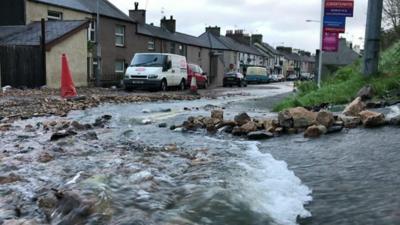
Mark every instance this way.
x=149 y=60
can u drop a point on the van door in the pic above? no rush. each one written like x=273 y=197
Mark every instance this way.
x=169 y=74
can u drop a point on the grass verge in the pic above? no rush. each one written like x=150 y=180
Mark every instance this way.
x=343 y=86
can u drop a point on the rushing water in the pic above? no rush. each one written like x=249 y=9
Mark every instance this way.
x=193 y=178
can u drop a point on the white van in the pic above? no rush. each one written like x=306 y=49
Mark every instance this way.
x=156 y=71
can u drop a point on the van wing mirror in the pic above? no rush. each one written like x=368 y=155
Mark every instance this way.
x=204 y=74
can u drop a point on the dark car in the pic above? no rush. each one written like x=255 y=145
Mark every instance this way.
x=234 y=79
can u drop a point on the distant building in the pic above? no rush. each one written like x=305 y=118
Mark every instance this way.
x=334 y=60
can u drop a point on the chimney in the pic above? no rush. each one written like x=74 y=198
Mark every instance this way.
x=239 y=36
x=256 y=38
x=138 y=15
x=168 y=24
x=214 y=30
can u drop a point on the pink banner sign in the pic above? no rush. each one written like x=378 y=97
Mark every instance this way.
x=330 y=42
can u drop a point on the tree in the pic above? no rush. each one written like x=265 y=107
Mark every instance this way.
x=391 y=12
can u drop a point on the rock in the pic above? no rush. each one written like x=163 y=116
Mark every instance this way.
x=78 y=126
x=228 y=129
x=45 y=157
x=315 y=131
x=292 y=131
x=302 y=118
x=237 y=131
x=285 y=119
x=395 y=121
x=8 y=179
x=350 y=121
x=365 y=93
x=62 y=134
x=242 y=119
x=259 y=135
x=374 y=104
x=100 y=122
x=91 y=136
x=325 y=118
x=372 y=119
x=270 y=125
x=210 y=125
x=147 y=121
x=162 y=125
x=354 y=108
x=279 y=130
x=29 y=128
x=249 y=127
x=334 y=129
x=217 y=114
x=5 y=127
x=172 y=127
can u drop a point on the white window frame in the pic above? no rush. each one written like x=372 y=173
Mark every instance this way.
x=123 y=66
x=151 y=45
x=120 y=35
x=50 y=17
x=92 y=28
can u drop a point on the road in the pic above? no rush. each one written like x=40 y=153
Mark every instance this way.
x=133 y=172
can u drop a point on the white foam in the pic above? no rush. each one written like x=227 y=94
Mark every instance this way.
x=269 y=187
x=394 y=111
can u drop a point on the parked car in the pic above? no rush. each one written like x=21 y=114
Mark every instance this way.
x=291 y=77
x=234 y=78
x=156 y=71
x=281 y=78
x=201 y=77
x=305 y=76
x=257 y=75
x=274 y=78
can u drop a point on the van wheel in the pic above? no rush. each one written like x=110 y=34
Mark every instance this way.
x=182 y=85
x=164 y=85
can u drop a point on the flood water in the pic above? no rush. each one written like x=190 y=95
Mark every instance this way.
x=138 y=173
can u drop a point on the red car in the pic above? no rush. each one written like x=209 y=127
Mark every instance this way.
x=201 y=77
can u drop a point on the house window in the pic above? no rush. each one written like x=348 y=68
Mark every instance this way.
x=151 y=46
x=92 y=31
x=120 y=36
x=120 y=66
x=54 y=15
x=172 y=50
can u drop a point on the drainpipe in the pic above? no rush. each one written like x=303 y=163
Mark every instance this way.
x=98 y=45
x=43 y=48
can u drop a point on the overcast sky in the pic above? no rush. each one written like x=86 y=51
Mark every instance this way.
x=282 y=22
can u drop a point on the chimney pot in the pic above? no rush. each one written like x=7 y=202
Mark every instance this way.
x=136 y=6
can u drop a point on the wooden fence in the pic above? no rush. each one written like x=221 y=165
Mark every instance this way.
x=21 y=66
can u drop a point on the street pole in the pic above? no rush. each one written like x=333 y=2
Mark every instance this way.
x=98 y=45
x=321 y=44
x=372 y=37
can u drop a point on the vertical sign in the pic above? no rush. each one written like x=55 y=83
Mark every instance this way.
x=330 y=42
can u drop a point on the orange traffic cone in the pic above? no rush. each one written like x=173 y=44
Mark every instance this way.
x=193 y=85
x=67 y=84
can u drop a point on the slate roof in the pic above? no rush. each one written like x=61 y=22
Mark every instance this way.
x=226 y=43
x=30 y=34
x=89 y=6
x=154 y=31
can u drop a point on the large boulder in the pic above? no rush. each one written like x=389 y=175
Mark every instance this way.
x=354 y=108
x=365 y=93
x=270 y=125
x=325 y=118
x=315 y=131
x=259 y=135
x=285 y=119
x=217 y=114
x=242 y=119
x=372 y=119
x=302 y=118
x=249 y=127
x=350 y=121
